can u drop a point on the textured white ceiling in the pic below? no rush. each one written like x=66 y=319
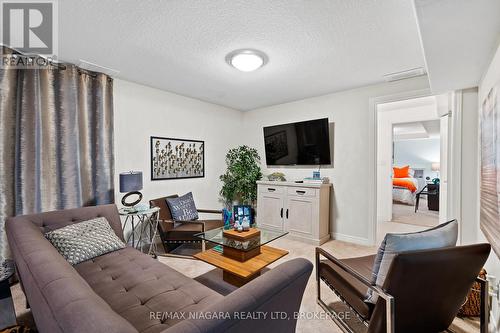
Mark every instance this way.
x=409 y=131
x=427 y=101
x=314 y=47
x=459 y=38
x=433 y=128
x=429 y=129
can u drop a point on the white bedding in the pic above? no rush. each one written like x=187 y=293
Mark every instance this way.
x=404 y=195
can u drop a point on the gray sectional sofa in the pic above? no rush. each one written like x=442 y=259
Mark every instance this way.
x=127 y=291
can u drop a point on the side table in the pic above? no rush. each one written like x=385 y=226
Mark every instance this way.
x=144 y=224
x=7 y=312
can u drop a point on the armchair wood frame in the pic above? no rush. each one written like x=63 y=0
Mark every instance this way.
x=200 y=223
x=167 y=224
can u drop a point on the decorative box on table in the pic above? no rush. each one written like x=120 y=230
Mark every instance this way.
x=241 y=245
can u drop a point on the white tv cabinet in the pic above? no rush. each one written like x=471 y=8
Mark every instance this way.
x=301 y=209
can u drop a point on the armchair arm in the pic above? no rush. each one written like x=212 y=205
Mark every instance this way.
x=202 y=224
x=166 y=225
x=173 y=222
x=210 y=211
x=344 y=267
x=389 y=300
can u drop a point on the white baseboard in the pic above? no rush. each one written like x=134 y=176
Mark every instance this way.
x=308 y=240
x=351 y=239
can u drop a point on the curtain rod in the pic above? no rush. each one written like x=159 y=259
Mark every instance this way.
x=58 y=65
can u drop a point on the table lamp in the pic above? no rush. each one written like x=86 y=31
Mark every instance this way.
x=435 y=167
x=131 y=183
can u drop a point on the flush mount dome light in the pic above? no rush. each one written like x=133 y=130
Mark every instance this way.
x=246 y=60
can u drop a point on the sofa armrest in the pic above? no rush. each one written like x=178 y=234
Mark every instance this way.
x=279 y=290
x=60 y=299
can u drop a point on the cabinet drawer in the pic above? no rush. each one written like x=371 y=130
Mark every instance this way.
x=301 y=191
x=270 y=189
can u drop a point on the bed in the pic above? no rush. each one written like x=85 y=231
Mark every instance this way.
x=404 y=187
x=404 y=190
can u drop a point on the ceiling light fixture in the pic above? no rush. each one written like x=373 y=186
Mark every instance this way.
x=246 y=60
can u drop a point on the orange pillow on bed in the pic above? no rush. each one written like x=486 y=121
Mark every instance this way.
x=403 y=172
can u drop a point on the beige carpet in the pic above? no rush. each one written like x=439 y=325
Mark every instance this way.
x=402 y=213
x=207 y=274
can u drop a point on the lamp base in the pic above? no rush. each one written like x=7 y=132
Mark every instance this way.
x=131 y=204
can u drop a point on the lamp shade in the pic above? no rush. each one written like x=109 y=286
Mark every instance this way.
x=435 y=166
x=130 y=181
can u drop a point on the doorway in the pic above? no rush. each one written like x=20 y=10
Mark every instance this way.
x=413 y=140
x=416 y=160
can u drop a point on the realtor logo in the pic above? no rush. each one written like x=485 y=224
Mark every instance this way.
x=30 y=27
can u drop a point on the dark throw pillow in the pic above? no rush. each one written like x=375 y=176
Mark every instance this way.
x=183 y=208
x=85 y=240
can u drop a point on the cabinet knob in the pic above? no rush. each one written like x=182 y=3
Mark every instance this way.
x=281 y=213
x=287 y=213
x=300 y=192
x=270 y=189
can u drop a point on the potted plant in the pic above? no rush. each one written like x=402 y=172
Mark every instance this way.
x=239 y=182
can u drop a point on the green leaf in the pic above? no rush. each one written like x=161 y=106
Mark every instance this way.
x=243 y=171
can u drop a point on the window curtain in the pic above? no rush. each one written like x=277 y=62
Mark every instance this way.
x=56 y=140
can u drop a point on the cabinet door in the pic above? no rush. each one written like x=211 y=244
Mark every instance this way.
x=299 y=215
x=270 y=211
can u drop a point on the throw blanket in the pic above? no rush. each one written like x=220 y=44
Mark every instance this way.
x=404 y=182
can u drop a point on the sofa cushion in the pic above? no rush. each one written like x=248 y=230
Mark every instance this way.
x=183 y=208
x=444 y=235
x=351 y=290
x=85 y=240
x=136 y=285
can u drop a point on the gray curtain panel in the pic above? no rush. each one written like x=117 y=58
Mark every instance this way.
x=56 y=140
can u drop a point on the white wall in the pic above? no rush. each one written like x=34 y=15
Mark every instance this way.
x=349 y=111
x=491 y=78
x=470 y=166
x=418 y=154
x=141 y=112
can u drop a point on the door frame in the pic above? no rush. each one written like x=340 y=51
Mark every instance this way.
x=454 y=149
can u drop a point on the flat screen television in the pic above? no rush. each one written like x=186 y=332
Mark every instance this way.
x=302 y=143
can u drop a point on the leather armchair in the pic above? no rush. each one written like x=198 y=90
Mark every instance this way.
x=175 y=233
x=423 y=290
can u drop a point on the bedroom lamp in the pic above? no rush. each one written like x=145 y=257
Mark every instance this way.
x=435 y=167
x=131 y=183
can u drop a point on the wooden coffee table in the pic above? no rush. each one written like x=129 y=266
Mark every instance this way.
x=241 y=255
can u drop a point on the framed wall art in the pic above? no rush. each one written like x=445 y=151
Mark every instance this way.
x=177 y=158
x=490 y=172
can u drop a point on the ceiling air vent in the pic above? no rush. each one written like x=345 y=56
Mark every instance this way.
x=414 y=72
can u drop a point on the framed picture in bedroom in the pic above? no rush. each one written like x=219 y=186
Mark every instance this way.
x=177 y=158
x=490 y=173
